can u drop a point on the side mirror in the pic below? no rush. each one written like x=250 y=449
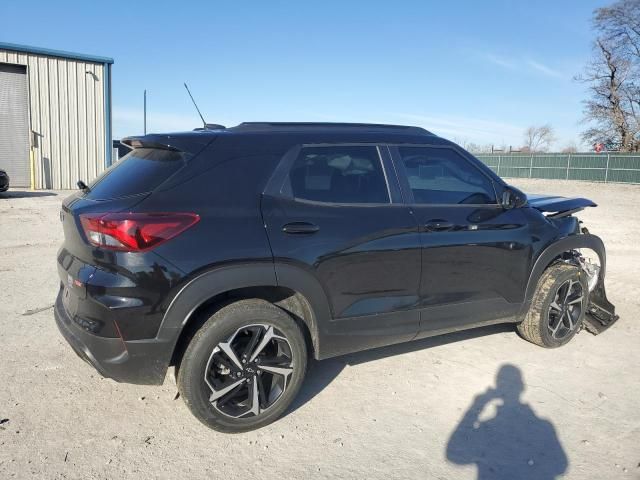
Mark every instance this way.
x=513 y=198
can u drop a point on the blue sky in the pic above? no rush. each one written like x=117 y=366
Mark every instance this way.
x=478 y=71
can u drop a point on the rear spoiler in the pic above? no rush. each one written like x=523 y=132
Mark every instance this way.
x=188 y=142
x=142 y=142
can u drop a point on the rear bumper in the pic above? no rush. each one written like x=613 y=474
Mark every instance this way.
x=143 y=362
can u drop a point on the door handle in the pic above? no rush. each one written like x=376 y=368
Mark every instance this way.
x=438 y=226
x=300 y=228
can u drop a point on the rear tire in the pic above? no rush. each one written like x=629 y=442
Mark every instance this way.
x=558 y=307
x=243 y=367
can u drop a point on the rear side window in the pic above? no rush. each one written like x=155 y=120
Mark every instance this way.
x=140 y=171
x=443 y=176
x=339 y=174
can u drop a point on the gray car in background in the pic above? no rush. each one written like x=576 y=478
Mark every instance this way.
x=4 y=181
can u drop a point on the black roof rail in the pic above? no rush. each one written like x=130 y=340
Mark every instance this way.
x=297 y=125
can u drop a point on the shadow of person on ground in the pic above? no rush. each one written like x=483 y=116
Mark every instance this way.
x=322 y=373
x=512 y=444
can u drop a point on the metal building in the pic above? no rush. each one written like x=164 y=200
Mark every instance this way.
x=55 y=116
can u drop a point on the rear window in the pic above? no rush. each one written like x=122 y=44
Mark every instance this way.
x=140 y=171
x=339 y=174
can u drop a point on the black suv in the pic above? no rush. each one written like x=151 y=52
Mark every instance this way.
x=234 y=254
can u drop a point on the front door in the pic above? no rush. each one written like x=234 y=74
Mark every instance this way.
x=338 y=215
x=476 y=254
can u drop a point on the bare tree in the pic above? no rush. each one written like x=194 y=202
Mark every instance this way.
x=476 y=148
x=613 y=77
x=621 y=23
x=463 y=142
x=473 y=147
x=570 y=148
x=538 y=139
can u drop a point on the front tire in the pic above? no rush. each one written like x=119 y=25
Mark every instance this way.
x=558 y=307
x=244 y=367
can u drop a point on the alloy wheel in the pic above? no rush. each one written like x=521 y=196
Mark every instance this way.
x=565 y=310
x=249 y=372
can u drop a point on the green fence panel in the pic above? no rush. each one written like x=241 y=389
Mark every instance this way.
x=589 y=174
x=588 y=161
x=515 y=161
x=595 y=167
x=625 y=162
x=624 y=176
x=550 y=173
x=491 y=160
x=516 y=172
x=550 y=161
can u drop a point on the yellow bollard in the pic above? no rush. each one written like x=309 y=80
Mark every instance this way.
x=32 y=165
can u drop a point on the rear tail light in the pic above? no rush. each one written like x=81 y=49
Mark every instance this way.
x=134 y=232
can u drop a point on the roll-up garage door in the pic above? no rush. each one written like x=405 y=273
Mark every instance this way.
x=14 y=124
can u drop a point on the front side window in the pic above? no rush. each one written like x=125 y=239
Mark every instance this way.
x=443 y=176
x=339 y=174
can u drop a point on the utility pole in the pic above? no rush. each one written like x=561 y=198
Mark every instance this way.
x=145 y=112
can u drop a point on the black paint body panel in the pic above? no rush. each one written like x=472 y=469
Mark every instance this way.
x=369 y=275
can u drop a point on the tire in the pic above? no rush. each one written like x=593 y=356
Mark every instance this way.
x=208 y=373
x=553 y=319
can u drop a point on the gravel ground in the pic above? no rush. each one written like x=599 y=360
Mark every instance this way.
x=428 y=409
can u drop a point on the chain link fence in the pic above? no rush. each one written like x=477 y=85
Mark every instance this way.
x=593 y=167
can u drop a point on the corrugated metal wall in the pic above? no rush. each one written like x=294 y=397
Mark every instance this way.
x=594 y=167
x=67 y=113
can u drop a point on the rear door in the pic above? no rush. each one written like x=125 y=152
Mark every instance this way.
x=476 y=254
x=336 y=213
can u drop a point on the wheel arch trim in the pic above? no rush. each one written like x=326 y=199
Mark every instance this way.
x=222 y=279
x=552 y=251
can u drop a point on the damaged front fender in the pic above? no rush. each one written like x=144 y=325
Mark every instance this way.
x=600 y=312
x=558 y=205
